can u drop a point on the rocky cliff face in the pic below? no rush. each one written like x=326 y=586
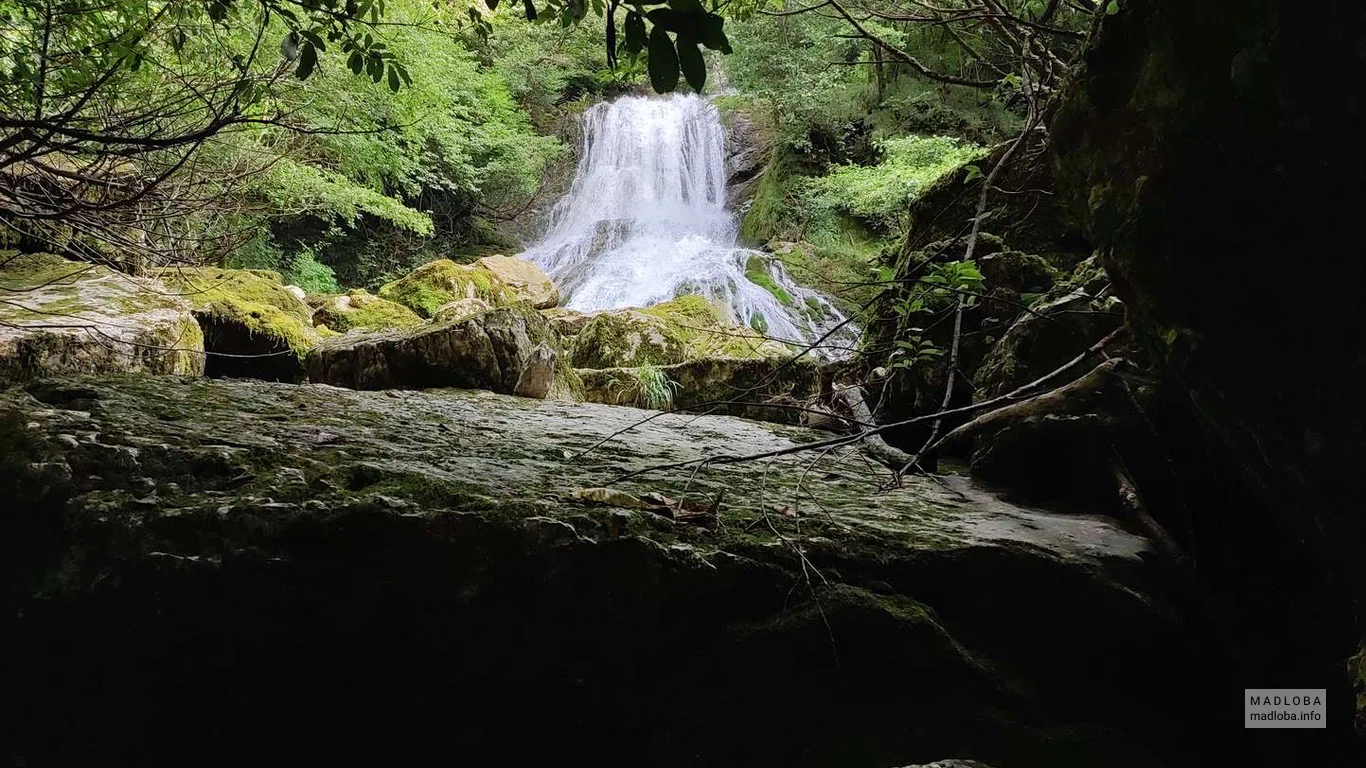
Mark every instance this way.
x=1209 y=150
x=211 y=568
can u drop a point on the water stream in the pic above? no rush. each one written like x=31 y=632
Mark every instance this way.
x=645 y=220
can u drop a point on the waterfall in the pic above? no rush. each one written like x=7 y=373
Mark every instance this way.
x=645 y=221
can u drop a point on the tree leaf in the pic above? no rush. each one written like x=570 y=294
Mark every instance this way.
x=663 y=61
x=694 y=68
x=530 y=8
x=686 y=6
x=394 y=83
x=635 y=32
x=308 y=59
x=1112 y=8
x=492 y=4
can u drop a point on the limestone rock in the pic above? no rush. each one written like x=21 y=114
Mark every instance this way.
x=460 y=309
x=253 y=327
x=626 y=338
x=436 y=283
x=360 y=310
x=538 y=373
x=500 y=350
x=566 y=322
x=62 y=316
x=297 y=292
x=424 y=543
x=524 y=278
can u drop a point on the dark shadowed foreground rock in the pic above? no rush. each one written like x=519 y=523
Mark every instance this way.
x=509 y=350
x=211 y=570
x=60 y=316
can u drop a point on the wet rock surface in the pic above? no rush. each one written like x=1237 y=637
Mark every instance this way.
x=209 y=560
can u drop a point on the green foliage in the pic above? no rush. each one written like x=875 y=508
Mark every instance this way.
x=310 y=274
x=878 y=195
x=649 y=387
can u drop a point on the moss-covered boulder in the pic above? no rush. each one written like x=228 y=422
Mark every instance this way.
x=254 y=327
x=511 y=350
x=59 y=316
x=524 y=279
x=360 y=310
x=460 y=309
x=707 y=332
x=427 y=288
x=626 y=338
x=497 y=280
x=765 y=389
x=566 y=322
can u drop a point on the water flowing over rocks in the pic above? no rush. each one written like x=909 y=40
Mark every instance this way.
x=646 y=220
x=421 y=572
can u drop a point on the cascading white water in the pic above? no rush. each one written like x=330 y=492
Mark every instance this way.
x=645 y=221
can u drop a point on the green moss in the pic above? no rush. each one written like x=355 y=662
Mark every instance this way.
x=704 y=328
x=254 y=299
x=759 y=323
x=760 y=222
x=756 y=271
x=439 y=282
x=627 y=339
x=364 y=311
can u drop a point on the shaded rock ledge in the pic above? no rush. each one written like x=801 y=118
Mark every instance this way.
x=207 y=560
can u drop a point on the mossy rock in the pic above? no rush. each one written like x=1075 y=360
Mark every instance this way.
x=756 y=271
x=460 y=309
x=707 y=333
x=628 y=338
x=361 y=310
x=253 y=326
x=434 y=284
x=772 y=389
x=524 y=279
x=63 y=316
x=511 y=350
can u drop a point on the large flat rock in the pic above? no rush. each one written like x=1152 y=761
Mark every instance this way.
x=59 y=316
x=418 y=569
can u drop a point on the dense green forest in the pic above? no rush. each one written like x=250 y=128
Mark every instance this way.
x=682 y=383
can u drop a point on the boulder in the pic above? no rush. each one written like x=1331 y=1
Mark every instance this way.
x=706 y=331
x=780 y=390
x=525 y=279
x=508 y=350
x=627 y=338
x=60 y=316
x=360 y=310
x=434 y=284
x=460 y=309
x=566 y=322
x=253 y=326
